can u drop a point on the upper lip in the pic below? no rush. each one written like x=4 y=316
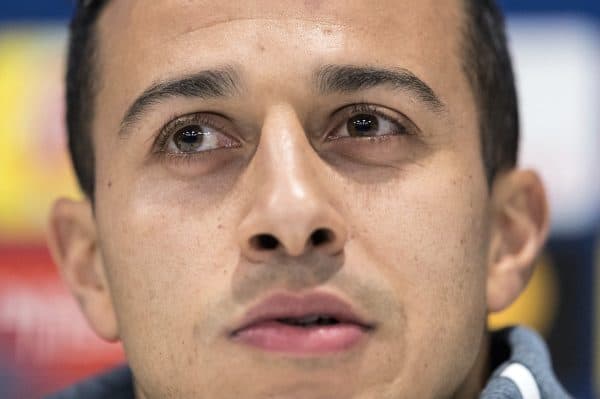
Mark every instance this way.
x=284 y=305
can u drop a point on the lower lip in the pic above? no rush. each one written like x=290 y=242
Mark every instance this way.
x=280 y=337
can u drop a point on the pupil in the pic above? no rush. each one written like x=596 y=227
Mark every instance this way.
x=362 y=125
x=189 y=138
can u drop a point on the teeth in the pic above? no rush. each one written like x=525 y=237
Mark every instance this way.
x=311 y=319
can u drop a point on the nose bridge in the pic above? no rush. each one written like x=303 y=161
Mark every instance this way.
x=286 y=161
x=290 y=210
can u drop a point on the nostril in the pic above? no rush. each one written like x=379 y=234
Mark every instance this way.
x=264 y=242
x=321 y=236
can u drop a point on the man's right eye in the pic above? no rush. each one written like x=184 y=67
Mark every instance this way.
x=191 y=135
x=197 y=138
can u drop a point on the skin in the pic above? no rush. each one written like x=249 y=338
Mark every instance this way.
x=164 y=260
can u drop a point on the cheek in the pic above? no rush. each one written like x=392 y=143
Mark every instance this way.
x=423 y=224
x=167 y=252
x=428 y=239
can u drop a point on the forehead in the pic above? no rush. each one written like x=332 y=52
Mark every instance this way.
x=166 y=17
x=141 y=44
x=132 y=27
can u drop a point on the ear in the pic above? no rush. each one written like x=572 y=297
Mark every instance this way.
x=518 y=231
x=74 y=246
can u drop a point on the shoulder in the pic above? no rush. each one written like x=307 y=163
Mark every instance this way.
x=115 y=384
x=525 y=370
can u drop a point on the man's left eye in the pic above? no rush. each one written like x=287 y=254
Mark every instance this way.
x=368 y=125
x=363 y=125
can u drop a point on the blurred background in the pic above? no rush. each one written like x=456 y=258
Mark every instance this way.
x=44 y=342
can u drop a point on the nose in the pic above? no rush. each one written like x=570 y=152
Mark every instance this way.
x=291 y=211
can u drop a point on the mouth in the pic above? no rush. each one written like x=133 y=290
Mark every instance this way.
x=312 y=324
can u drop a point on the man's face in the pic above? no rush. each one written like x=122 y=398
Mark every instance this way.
x=309 y=161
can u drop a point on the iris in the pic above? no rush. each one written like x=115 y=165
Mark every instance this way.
x=362 y=125
x=189 y=138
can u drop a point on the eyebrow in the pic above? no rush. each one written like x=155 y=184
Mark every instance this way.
x=207 y=84
x=223 y=82
x=351 y=78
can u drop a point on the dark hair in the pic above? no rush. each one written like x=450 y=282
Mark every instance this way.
x=487 y=65
x=81 y=90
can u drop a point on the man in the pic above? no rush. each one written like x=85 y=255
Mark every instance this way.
x=289 y=199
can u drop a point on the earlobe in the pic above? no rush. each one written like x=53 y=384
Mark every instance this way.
x=73 y=243
x=518 y=231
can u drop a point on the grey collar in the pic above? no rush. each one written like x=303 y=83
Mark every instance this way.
x=527 y=373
